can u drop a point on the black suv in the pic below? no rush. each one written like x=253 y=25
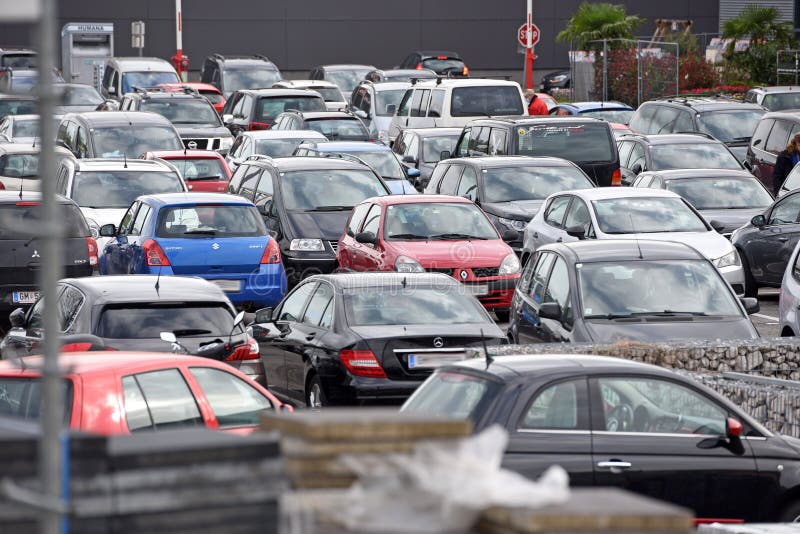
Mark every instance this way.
x=729 y=121
x=256 y=109
x=192 y=115
x=587 y=142
x=232 y=73
x=335 y=125
x=21 y=255
x=306 y=202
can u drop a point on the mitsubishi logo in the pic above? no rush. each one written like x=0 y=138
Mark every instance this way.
x=463 y=275
x=438 y=342
x=215 y=246
x=35 y=254
x=192 y=144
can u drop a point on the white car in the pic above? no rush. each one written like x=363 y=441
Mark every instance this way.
x=329 y=91
x=626 y=213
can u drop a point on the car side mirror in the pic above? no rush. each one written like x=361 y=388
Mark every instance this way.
x=444 y=154
x=550 y=310
x=368 y=238
x=510 y=235
x=391 y=109
x=758 y=221
x=108 y=230
x=716 y=225
x=577 y=231
x=409 y=159
x=361 y=114
x=112 y=90
x=412 y=173
x=733 y=428
x=239 y=319
x=264 y=315
x=110 y=105
x=17 y=318
x=750 y=304
x=227 y=117
x=747 y=165
x=636 y=169
x=757 y=142
x=265 y=207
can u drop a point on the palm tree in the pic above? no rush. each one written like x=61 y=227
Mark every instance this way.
x=761 y=24
x=594 y=21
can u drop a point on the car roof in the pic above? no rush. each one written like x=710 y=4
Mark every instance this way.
x=524 y=120
x=778 y=89
x=285 y=134
x=681 y=174
x=119 y=118
x=346 y=66
x=601 y=193
x=434 y=132
x=671 y=139
x=200 y=86
x=247 y=60
x=439 y=53
x=413 y=199
x=511 y=367
x=13 y=196
x=585 y=106
x=352 y=146
x=167 y=199
x=589 y=251
x=142 y=288
x=116 y=164
x=302 y=163
x=490 y=162
x=24 y=117
x=464 y=82
x=792 y=114
x=389 y=85
x=15 y=96
x=143 y=63
x=387 y=280
x=314 y=115
x=309 y=83
x=278 y=91
x=708 y=104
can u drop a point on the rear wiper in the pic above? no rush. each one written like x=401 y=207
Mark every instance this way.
x=190 y=332
x=456 y=236
x=201 y=232
x=332 y=208
x=407 y=236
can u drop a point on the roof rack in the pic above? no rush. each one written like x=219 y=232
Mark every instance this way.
x=260 y=157
x=702 y=134
x=256 y=56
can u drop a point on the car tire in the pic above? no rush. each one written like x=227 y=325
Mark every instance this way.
x=750 y=287
x=790 y=513
x=503 y=315
x=315 y=395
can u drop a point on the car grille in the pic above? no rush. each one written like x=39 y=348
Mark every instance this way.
x=334 y=246
x=448 y=272
x=483 y=272
x=203 y=143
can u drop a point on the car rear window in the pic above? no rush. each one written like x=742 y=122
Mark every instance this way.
x=21 y=397
x=486 y=100
x=20 y=165
x=269 y=108
x=579 y=142
x=444 y=65
x=210 y=220
x=377 y=306
x=12 y=106
x=16 y=217
x=339 y=129
x=329 y=94
x=118 y=189
x=453 y=394
x=146 y=321
x=200 y=169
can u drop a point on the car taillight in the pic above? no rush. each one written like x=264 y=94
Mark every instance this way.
x=27 y=203
x=465 y=71
x=2 y=187
x=154 y=254
x=362 y=363
x=246 y=351
x=616 y=178
x=259 y=126
x=419 y=66
x=272 y=253
x=91 y=246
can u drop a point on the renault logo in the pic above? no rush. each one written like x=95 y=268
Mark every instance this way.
x=215 y=246
x=438 y=342
x=463 y=275
x=192 y=144
x=35 y=254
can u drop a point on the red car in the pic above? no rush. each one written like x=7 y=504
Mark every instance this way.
x=434 y=233
x=123 y=392
x=213 y=94
x=203 y=170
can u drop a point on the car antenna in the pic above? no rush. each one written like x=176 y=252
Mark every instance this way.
x=34 y=142
x=22 y=179
x=403 y=283
x=158 y=280
x=635 y=237
x=489 y=358
x=125 y=165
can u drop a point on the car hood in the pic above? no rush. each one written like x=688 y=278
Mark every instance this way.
x=653 y=330
x=710 y=244
x=443 y=254
x=105 y=215
x=203 y=131
x=513 y=209
x=327 y=225
x=732 y=218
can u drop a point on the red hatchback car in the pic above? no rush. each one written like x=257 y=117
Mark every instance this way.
x=123 y=392
x=433 y=233
x=203 y=170
x=213 y=94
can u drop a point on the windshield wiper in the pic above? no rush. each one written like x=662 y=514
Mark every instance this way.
x=407 y=236
x=200 y=232
x=665 y=313
x=739 y=139
x=190 y=332
x=456 y=236
x=332 y=208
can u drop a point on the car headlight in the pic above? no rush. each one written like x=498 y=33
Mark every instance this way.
x=226 y=143
x=94 y=228
x=728 y=260
x=404 y=264
x=509 y=265
x=307 y=245
x=513 y=223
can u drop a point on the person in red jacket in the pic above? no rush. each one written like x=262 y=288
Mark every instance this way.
x=536 y=106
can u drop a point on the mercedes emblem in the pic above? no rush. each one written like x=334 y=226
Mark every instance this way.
x=192 y=145
x=438 y=342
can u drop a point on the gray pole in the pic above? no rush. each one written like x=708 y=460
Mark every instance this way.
x=605 y=70
x=677 y=69
x=50 y=232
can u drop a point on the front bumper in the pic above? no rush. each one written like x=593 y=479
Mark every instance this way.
x=734 y=275
x=301 y=265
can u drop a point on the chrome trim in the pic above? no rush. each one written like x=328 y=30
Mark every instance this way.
x=655 y=434
x=552 y=431
x=406 y=351
x=615 y=464
x=755 y=438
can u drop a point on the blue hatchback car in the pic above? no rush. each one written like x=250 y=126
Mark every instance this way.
x=610 y=111
x=221 y=238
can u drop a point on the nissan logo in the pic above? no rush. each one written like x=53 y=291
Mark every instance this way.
x=192 y=144
x=438 y=342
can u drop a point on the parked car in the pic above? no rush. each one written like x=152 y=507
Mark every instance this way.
x=442 y=62
x=509 y=189
x=376 y=104
x=434 y=233
x=329 y=91
x=731 y=198
x=662 y=152
x=272 y=143
x=19 y=166
x=128 y=392
x=631 y=213
x=21 y=253
x=770 y=138
x=234 y=73
x=23 y=81
x=201 y=170
x=791 y=182
x=776 y=98
x=334 y=125
x=347 y=339
x=560 y=79
x=729 y=121
x=642 y=290
x=422 y=149
x=257 y=109
x=122 y=74
x=380 y=157
x=305 y=203
x=789 y=297
x=116 y=134
x=131 y=312
x=609 y=111
x=76 y=98
x=21 y=58
x=21 y=129
x=615 y=422
x=210 y=92
x=587 y=142
x=400 y=75
x=345 y=76
x=17 y=105
x=193 y=116
x=767 y=241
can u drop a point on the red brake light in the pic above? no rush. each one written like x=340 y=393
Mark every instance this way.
x=27 y=203
x=419 y=66
x=259 y=126
x=272 y=253
x=2 y=187
x=465 y=71
x=154 y=254
x=91 y=245
x=441 y=57
x=616 y=178
x=362 y=363
x=245 y=351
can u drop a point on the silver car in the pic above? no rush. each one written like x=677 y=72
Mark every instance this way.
x=789 y=301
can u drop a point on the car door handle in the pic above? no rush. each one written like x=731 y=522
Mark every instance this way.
x=559 y=240
x=615 y=466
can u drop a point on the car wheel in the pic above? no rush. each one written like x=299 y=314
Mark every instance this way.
x=790 y=513
x=502 y=315
x=787 y=332
x=315 y=396
x=750 y=287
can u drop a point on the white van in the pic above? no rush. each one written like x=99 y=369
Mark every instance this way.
x=455 y=102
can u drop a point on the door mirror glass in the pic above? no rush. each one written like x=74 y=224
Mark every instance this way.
x=412 y=173
x=510 y=235
x=361 y=114
x=112 y=90
x=444 y=154
x=266 y=207
x=750 y=304
x=758 y=220
x=391 y=108
x=17 y=317
x=367 y=238
x=264 y=315
x=108 y=230
x=716 y=225
x=550 y=310
x=577 y=231
x=636 y=169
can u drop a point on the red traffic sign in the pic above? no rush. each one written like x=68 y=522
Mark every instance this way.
x=522 y=35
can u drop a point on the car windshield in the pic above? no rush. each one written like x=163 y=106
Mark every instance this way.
x=692 y=156
x=432 y=147
x=580 y=142
x=146 y=79
x=236 y=79
x=329 y=189
x=453 y=394
x=730 y=126
x=384 y=162
x=277 y=148
x=622 y=116
x=531 y=183
x=210 y=220
x=341 y=129
x=80 y=96
x=21 y=398
x=347 y=79
x=643 y=215
x=119 y=141
x=26 y=128
x=437 y=220
x=213 y=96
x=200 y=168
x=417 y=305
x=781 y=101
x=721 y=192
x=28 y=215
x=118 y=189
x=329 y=94
x=385 y=99
x=486 y=101
x=637 y=288
x=269 y=108
x=147 y=321
x=444 y=65
x=19 y=165
x=194 y=111
x=11 y=106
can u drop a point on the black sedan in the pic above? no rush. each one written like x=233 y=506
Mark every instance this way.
x=614 y=422
x=345 y=339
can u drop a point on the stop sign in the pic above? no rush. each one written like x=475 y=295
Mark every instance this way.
x=522 y=35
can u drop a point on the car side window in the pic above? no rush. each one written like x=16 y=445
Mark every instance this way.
x=540 y=273
x=778 y=137
x=497 y=142
x=683 y=123
x=327 y=316
x=138 y=222
x=578 y=215
x=372 y=220
x=236 y=179
x=664 y=120
x=246 y=149
x=158 y=400
x=437 y=103
x=560 y=406
x=81 y=146
x=234 y=151
x=640 y=121
x=234 y=402
x=558 y=290
x=356 y=219
x=637 y=156
x=294 y=304
x=450 y=179
x=786 y=211
x=419 y=104
x=127 y=221
x=318 y=304
x=524 y=282
x=248 y=187
x=413 y=148
x=554 y=216
x=624 y=149
x=463 y=143
x=468 y=186
x=399 y=146
x=480 y=140
x=265 y=187
x=69 y=303
x=436 y=178
x=405 y=103
x=761 y=133
x=69 y=136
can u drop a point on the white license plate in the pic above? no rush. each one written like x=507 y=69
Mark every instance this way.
x=477 y=291
x=433 y=360
x=25 y=297
x=229 y=286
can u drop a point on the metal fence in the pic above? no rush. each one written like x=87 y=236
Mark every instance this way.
x=787 y=67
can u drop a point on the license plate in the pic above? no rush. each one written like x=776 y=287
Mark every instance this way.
x=433 y=360
x=477 y=291
x=229 y=286
x=25 y=297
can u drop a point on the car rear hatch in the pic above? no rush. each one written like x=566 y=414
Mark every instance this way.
x=209 y=255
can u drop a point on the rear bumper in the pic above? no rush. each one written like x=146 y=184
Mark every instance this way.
x=379 y=390
x=500 y=294
x=7 y=303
